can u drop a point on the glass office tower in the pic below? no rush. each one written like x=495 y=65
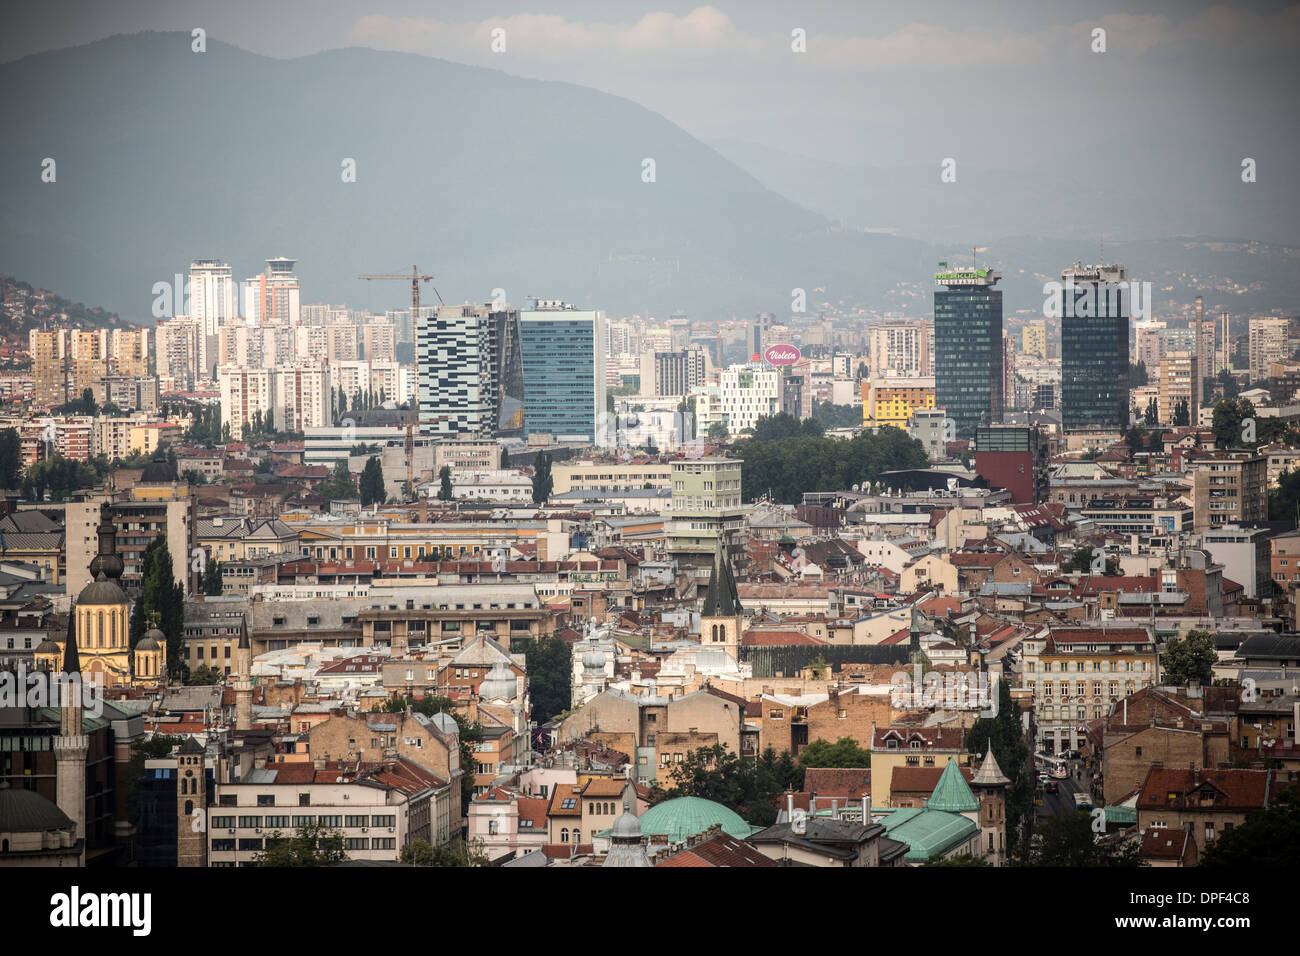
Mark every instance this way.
x=1094 y=348
x=968 y=346
x=564 y=371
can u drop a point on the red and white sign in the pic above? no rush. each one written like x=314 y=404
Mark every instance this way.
x=781 y=354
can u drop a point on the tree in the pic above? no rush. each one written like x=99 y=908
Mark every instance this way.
x=837 y=416
x=311 y=845
x=1284 y=500
x=1269 y=838
x=750 y=787
x=162 y=601
x=961 y=859
x=1229 y=384
x=420 y=853
x=11 y=458
x=339 y=485
x=1190 y=658
x=789 y=467
x=505 y=459
x=210 y=581
x=1151 y=418
x=1004 y=734
x=845 y=752
x=1137 y=375
x=445 y=492
x=718 y=432
x=372 y=483
x=1182 y=414
x=1227 y=421
x=1067 y=839
x=204 y=675
x=549 y=662
x=542 y=481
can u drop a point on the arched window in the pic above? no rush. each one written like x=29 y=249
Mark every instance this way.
x=189 y=808
x=564 y=835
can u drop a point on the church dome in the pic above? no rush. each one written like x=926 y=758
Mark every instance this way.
x=152 y=640
x=47 y=646
x=101 y=592
x=626 y=827
x=681 y=818
x=500 y=683
x=159 y=471
x=593 y=659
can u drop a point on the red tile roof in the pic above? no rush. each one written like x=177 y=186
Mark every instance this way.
x=778 y=639
x=1167 y=788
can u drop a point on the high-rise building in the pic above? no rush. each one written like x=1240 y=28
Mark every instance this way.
x=1033 y=339
x=563 y=352
x=968 y=346
x=1094 y=348
x=1268 y=343
x=46 y=347
x=1180 y=381
x=301 y=397
x=745 y=394
x=471 y=371
x=245 y=392
x=180 y=352
x=212 y=295
x=274 y=297
x=672 y=373
x=899 y=348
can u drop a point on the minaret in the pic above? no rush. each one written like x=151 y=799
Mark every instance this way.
x=990 y=788
x=243 y=680
x=625 y=846
x=72 y=745
x=721 y=616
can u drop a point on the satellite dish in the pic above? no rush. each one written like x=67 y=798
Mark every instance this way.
x=855 y=487
x=799 y=822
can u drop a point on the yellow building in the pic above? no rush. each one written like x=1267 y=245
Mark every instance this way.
x=102 y=625
x=1075 y=675
x=1033 y=339
x=893 y=401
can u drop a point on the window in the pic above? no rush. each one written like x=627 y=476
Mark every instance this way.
x=266 y=799
x=304 y=799
x=568 y=803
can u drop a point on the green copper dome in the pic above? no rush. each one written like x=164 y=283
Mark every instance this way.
x=684 y=817
x=952 y=792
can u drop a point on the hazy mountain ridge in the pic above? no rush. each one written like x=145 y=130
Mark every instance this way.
x=484 y=179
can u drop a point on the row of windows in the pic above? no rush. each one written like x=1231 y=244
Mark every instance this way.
x=286 y=821
x=1063 y=666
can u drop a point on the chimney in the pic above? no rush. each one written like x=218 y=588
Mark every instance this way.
x=866 y=809
x=789 y=806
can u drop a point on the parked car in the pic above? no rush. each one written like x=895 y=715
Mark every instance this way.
x=1052 y=787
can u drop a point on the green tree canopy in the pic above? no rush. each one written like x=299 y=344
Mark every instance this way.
x=1189 y=658
x=445 y=490
x=372 y=483
x=845 y=752
x=543 y=483
x=1269 y=838
x=549 y=662
x=310 y=845
x=750 y=787
x=1068 y=839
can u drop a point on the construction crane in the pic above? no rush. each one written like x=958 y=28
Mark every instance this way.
x=415 y=278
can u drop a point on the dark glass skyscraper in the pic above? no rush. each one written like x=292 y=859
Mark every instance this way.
x=968 y=346
x=1094 y=347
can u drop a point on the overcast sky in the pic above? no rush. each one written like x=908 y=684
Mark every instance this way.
x=1002 y=84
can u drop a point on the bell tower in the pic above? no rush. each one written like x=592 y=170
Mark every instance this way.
x=990 y=788
x=191 y=805
x=721 y=617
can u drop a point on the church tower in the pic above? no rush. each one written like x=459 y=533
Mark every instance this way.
x=243 y=682
x=103 y=612
x=721 y=617
x=990 y=787
x=72 y=744
x=191 y=805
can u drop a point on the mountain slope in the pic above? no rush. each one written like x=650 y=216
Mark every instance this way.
x=165 y=155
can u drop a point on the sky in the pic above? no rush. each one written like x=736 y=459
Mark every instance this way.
x=1001 y=85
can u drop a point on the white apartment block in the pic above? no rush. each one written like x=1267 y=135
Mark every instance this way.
x=1268 y=343
x=747 y=393
x=212 y=295
x=245 y=391
x=302 y=397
